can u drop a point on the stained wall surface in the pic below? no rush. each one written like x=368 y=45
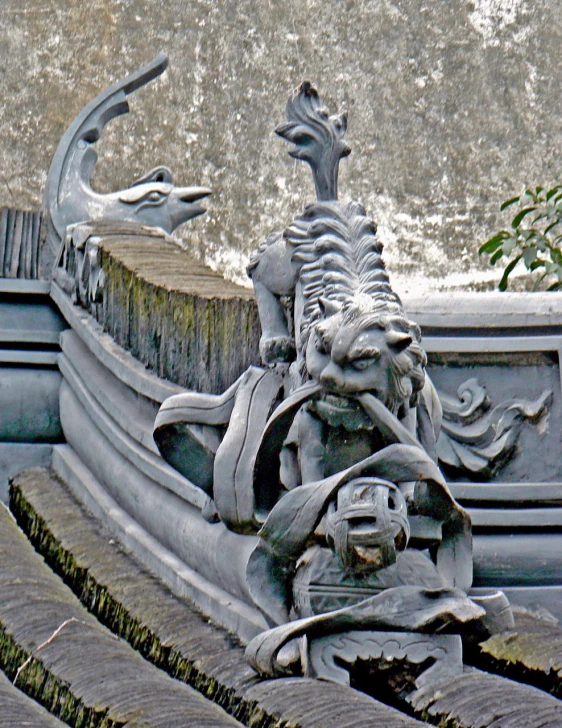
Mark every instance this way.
x=454 y=106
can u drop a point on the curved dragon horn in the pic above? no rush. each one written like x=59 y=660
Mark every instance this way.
x=318 y=138
x=75 y=157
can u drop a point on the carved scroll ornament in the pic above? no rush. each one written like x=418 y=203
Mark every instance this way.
x=477 y=438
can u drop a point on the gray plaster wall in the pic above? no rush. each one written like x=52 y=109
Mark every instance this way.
x=454 y=106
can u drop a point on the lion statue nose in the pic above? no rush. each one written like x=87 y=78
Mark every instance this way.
x=368 y=525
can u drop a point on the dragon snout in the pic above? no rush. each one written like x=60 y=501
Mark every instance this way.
x=192 y=194
x=183 y=204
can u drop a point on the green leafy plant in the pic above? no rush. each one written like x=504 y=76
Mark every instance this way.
x=534 y=238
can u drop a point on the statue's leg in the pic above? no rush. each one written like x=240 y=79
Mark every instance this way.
x=276 y=344
x=312 y=452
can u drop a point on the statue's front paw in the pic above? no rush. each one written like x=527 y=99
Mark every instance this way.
x=276 y=349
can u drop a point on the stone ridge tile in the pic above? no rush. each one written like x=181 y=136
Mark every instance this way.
x=477 y=699
x=101 y=679
x=532 y=652
x=140 y=595
x=162 y=263
x=182 y=318
x=311 y=703
x=17 y=710
x=47 y=511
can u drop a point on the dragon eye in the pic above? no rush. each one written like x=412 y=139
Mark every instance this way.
x=154 y=196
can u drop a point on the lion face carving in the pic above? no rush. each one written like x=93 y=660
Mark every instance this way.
x=356 y=348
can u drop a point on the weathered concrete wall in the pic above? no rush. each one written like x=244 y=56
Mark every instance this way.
x=453 y=106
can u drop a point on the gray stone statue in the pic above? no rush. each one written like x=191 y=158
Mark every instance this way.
x=329 y=452
x=152 y=200
x=77 y=216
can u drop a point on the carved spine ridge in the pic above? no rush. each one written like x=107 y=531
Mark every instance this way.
x=341 y=260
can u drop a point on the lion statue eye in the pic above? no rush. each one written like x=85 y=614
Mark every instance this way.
x=154 y=196
x=361 y=364
x=321 y=345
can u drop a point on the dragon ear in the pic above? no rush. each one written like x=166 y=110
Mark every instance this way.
x=398 y=340
x=158 y=174
x=328 y=307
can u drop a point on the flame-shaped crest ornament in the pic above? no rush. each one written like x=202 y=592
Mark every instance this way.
x=318 y=138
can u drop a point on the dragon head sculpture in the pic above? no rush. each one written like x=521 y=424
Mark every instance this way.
x=152 y=200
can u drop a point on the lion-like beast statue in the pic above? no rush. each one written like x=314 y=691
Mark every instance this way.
x=328 y=311
x=328 y=452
